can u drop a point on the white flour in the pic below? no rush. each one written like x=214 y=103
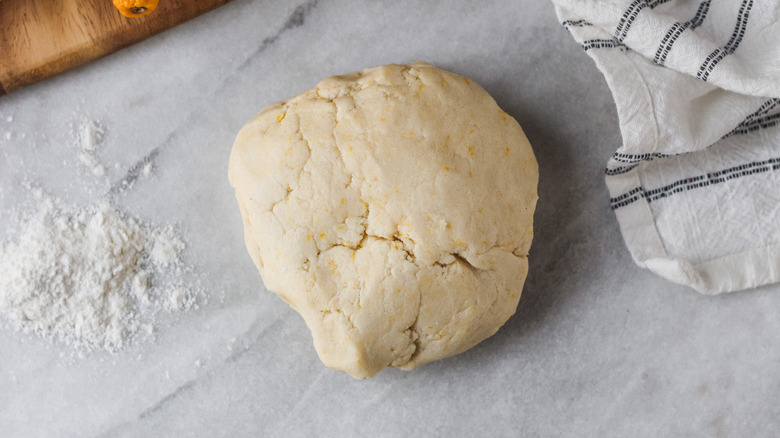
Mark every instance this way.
x=93 y=278
x=89 y=136
x=85 y=278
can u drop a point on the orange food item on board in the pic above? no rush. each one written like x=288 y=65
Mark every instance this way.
x=135 y=8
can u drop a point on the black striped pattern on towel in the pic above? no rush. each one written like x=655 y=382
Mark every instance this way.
x=731 y=45
x=677 y=29
x=695 y=182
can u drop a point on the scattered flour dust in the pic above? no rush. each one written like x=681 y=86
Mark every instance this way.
x=93 y=279
x=89 y=135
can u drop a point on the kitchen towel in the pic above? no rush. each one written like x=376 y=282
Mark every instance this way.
x=695 y=185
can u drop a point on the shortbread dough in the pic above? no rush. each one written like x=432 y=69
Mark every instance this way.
x=392 y=208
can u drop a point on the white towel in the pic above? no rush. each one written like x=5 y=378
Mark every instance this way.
x=696 y=184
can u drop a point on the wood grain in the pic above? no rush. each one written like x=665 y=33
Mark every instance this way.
x=40 y=38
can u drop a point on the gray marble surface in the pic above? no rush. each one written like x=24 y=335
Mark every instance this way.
x=598 y=347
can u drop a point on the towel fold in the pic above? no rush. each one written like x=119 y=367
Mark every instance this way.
x=696 y=184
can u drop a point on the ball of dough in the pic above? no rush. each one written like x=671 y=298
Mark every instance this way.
x=392 y=208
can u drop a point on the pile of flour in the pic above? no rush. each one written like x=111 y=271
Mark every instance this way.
x=94 y=277
x=86 y=278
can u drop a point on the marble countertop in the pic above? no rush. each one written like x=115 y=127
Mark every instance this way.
x=598 y=347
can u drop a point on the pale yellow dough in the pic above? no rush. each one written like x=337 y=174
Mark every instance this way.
x=393 y=209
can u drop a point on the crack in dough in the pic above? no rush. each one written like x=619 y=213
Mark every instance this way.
x=392 y=208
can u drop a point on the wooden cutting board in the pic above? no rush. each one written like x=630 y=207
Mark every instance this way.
x=40 y=38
